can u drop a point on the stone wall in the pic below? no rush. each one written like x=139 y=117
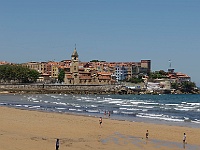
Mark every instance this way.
x=60 y=88
x=77 y=89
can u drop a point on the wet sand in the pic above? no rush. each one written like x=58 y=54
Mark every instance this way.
x=34 y=130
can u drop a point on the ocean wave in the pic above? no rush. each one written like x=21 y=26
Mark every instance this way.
x=146 y=103
x=128 y=113
x=194 y=104
x=34 y=107
x=60 y=108
x=93 y=111
x=115 y=102
x=159 y=117
x=137 y=103
x=172 y=104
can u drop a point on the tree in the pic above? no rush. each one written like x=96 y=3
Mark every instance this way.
x=94 y=61
x=135 y=80
x=18 y=73
x=158 y=74
x=174 y=86
x=33 y=75
x=162 y=72
x=187 y=86
x=61 y=76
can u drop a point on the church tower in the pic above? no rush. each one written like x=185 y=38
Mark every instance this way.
x=75 y=66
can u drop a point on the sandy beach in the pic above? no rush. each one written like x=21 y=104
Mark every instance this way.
x=33 y=130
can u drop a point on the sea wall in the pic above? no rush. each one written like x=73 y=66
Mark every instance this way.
x=60 y=88
x=79 y=89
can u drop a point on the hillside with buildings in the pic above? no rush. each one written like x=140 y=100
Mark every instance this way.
x=90 y=73
x=97 y=72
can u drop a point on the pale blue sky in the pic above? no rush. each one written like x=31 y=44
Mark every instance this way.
x=110 y=30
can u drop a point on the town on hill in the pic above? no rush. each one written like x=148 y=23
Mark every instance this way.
x=134 y=76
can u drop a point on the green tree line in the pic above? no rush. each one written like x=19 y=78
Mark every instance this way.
x=18 y=73
x=158 y=75
x=186 y=86
x=61 y=76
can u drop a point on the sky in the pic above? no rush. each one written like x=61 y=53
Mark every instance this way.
x=109 y=30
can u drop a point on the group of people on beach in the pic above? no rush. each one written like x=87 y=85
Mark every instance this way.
x=105 y=113
x=184 y=138
x=147 y=134
x=100 y=119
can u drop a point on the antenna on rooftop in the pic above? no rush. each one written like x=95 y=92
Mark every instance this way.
x=170 y=67
x=75 y=46
x=170 y=64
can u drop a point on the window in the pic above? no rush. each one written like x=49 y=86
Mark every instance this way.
x=75 y=75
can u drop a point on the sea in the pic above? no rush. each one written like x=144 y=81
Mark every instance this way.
x=171 y=109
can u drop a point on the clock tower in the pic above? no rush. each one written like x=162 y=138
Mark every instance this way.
x=75 y=66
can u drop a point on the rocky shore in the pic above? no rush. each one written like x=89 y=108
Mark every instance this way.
x=79 y=89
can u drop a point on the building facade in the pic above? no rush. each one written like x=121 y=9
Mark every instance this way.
x=82 y=75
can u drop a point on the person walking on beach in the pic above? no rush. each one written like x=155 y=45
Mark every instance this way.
x=147 y=134
x=184 y=138
x=109 y=114
x=57 y=144
x=105 y=113
x=100 y=121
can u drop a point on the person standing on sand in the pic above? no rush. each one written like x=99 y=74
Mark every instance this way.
x=109 y=114
x=184 y=138
x=100 y=121
x=105 y=113
x=57 y=144
x=147 y=134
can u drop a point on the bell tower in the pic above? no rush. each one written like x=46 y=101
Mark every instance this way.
x=75 y=66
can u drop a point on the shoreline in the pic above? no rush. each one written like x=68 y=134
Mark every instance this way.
x=136 y=120
x=51 y=106
x=39 y=130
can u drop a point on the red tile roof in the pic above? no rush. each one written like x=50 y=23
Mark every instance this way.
x=69 y=77
x=85 y=77
x=104 y=78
